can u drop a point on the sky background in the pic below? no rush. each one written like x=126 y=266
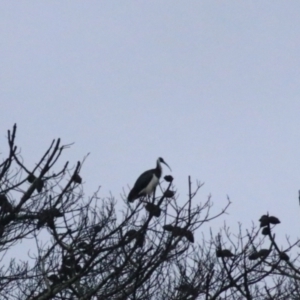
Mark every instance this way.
x=211 y=86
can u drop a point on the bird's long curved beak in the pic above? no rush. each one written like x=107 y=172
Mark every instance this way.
x=166 y=165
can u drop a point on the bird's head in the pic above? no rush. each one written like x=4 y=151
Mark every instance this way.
x=161 y=160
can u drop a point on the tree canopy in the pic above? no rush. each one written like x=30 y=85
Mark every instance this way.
x=91 y=248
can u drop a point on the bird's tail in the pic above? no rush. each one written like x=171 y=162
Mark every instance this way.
x=132 y=195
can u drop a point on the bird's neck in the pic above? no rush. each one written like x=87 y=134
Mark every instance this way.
x=158 y=170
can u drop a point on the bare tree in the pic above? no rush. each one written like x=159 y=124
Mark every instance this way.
x=83 y=248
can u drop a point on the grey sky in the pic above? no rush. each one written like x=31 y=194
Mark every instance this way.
x=211 y=86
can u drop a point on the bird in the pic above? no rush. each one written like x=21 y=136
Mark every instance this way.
x=262 y=253
x=179 y=231
x=224 y=253
x=153 y=209
x=147 y=182
x=284 y=256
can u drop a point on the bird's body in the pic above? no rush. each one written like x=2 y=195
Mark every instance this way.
x=147 y=182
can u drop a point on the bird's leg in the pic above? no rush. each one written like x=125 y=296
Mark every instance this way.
x=153 y=199
x=148 y=198
x=144 y=198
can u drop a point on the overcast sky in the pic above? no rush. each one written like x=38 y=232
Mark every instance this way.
x=211 y=86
